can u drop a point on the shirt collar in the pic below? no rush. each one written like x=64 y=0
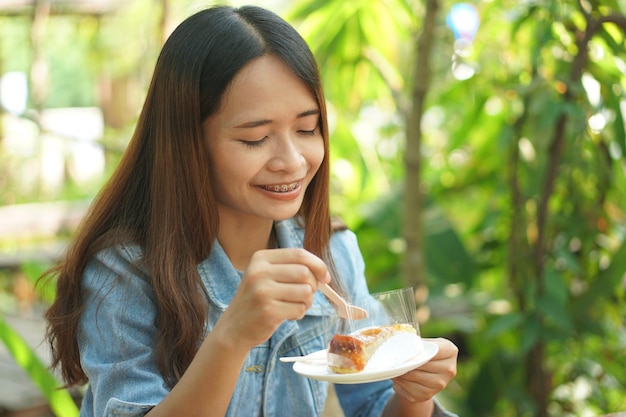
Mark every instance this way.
x=221 y=279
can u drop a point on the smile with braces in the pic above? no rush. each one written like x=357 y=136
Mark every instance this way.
x=281 y=188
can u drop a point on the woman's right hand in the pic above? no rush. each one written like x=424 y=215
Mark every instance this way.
x=278 y=285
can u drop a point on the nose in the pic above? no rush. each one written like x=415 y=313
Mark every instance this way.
x=287 y=155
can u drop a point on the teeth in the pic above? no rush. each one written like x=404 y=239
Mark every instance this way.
x=282 y=188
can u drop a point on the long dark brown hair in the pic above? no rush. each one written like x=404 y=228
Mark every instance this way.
x=161 y=196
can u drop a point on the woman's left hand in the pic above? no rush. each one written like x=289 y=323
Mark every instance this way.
x=423 y=383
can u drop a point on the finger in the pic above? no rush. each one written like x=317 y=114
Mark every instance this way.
x=423 y=388
x=287 y=282
x=297 y=256
x=445 y=360
x=422 y=385
x=292 y=292
x=276 y=311
x=292 y=273
x=293 y=310
x=438 y=366
x=272 y=302
x=427 y=380
x=412 y=392
x=432 y=370
x=264 y=283
x=446 y=349
x=402 y=392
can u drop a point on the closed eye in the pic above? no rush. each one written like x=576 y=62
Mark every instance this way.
x=307 y=132
x=254 y=143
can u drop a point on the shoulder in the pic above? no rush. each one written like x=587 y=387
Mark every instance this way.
x=120 y=266
x=119 y=258
x=344 y=242
x=348 y=262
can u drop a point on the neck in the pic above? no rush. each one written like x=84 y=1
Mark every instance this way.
x=240 y=241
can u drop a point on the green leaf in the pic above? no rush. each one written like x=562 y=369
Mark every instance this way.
x=555 y=286
x=59 y=399
x=613 y=102
x=554 y=311
x=503 y=324
x=446 y=256
x=530 y=333
x=603 y=286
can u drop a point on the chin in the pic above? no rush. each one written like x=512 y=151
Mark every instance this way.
x=278 y=218
x=278 y=215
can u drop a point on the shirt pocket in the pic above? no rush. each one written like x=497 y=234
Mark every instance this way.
x=315 y=331
x=119 y=408
x=247 y=399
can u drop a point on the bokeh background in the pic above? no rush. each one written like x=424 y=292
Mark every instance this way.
x=478 y=151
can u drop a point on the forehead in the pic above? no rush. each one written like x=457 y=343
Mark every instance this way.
x=266 y=83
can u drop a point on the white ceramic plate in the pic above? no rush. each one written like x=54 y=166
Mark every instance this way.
x=319 y=369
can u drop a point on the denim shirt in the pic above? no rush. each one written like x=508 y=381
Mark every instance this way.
x=117 y=331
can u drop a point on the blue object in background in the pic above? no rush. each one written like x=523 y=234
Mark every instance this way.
x=463 y=20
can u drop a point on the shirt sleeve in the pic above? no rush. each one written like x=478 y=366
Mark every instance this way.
x=439 y=411
x=350 y=398
x=364 y=400
x=116 y=336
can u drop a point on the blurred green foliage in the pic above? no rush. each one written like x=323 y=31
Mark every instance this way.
x=60 y=401
x=524 y=175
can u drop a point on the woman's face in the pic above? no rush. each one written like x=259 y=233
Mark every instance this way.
x=264 y=143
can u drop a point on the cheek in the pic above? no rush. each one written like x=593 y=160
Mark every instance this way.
x=224 y=174
x=315 y=155
x=230 y=171
x=228 y=185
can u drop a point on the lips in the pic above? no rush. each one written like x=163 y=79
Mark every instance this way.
x=281 y=188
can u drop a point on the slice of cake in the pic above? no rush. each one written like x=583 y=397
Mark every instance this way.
x=352 y=353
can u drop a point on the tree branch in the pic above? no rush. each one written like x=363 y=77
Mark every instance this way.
x=414 y=266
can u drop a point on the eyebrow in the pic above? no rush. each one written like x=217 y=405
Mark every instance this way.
x=261 y=122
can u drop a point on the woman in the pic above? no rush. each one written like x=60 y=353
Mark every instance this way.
x=198 y=263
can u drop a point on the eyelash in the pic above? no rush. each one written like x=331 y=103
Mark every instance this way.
x=257 y=143
x=254 y=143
